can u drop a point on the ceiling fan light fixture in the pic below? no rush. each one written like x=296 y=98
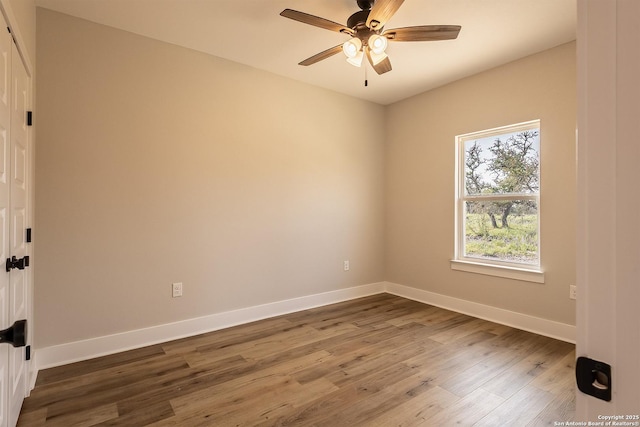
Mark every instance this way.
x=353 y=50
x=369 y=38
x=352 y=47
x=377 y=58
x=356 y=60
x=377 y=44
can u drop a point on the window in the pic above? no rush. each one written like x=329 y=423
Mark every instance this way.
x=498 y=199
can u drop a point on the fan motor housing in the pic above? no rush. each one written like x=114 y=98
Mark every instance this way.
x=358 y=19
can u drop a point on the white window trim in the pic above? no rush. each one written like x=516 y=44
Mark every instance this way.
x=516 y=273
x=510 y=270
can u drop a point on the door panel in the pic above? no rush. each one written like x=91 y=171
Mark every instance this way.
x=18 y=286
x=15 y=293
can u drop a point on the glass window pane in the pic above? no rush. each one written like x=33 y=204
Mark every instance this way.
x=502 y=231
x=502 y=164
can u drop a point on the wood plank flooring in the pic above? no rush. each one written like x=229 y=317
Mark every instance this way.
x=375 y=361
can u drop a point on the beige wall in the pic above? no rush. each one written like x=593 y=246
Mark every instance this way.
x=158 y=164
x=420 y=161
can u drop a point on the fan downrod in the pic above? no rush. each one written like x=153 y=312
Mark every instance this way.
x=365 y=4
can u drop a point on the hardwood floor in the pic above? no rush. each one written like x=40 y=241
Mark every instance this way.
x=376 y=361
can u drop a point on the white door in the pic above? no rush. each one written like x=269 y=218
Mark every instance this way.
x=18 y=285
x=5 y=124
x=14 y=155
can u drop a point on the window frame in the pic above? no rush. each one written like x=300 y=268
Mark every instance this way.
x=515 y=270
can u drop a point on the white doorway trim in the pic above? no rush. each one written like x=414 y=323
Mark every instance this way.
x=608 y=255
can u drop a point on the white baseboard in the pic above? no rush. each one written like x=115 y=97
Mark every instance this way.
x=549 y=328
x=63 y=354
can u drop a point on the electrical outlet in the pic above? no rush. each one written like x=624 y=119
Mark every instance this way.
x=176 y=289
x=346 y=265
x=572 y=291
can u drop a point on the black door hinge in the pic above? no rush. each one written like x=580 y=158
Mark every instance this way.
x=28 y=235
x=27 y=353
x=29 y=118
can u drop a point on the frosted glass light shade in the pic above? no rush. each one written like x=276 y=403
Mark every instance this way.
x=356 y=60
x=376 y=58
x=377 y=44
x=352 y=47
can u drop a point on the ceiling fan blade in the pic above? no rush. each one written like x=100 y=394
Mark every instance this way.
x=423 y=33
x=382 y=66
x=381 y=12
x=316 y=21
x=322 y=55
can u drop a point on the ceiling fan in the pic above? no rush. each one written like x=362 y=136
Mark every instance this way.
x=368 y=36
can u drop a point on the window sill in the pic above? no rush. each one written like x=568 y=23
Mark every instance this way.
x=499 y=271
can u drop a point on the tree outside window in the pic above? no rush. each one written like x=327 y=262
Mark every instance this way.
x=498 y=196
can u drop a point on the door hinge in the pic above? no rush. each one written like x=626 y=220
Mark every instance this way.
x=28 y=235
x=29 y=118
x=27 y=353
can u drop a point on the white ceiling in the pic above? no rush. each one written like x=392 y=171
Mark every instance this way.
x=251 y=32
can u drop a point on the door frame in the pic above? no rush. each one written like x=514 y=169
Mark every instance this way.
x=608 y=320
x=7 y=12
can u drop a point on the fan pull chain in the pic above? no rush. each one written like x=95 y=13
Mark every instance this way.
x=366 y=82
